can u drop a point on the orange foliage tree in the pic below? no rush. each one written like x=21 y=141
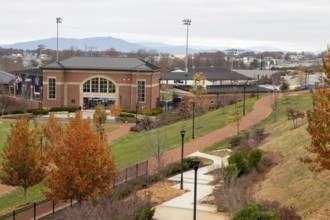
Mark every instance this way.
x=115 y=110
x=81 y=164
x=24 y=159
x=319 y=124
x=99 y=116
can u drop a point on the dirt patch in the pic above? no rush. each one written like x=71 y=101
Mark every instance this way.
x=161 y=192
x=269 y=160
x=221 y=153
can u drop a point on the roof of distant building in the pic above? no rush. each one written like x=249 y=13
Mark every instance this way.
x=104 y=63
x=33 y=72
x=210 y=73
x=5 y=77
x=254 y=73
x=223 y=89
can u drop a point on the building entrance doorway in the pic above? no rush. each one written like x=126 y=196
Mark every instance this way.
x=91 y=103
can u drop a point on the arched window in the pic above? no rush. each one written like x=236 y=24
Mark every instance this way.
x=99 y=85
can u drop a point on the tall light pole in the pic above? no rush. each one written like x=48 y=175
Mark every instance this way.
x=196 y=163
x=58 y=20
x=187 y=22
x=182 y=143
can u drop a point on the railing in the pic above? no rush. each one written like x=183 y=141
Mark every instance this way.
x=46 y=206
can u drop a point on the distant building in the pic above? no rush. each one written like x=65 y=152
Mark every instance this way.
x=6 y=80
x=85 y=81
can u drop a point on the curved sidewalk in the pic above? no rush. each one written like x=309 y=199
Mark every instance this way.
x=182 y=206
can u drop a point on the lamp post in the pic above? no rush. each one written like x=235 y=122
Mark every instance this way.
x=187 y=22
x=196 y=163
x=244 y=100
x=193 y=122
x=182 y=143
x=136 y=113
x=58 y=20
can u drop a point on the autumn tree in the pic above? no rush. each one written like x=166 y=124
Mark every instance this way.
x=115 y=110
x=185 y=107
x=319 y=123
x=81 y=163
x=99 y=116
x=198 y=88
x=24 y=159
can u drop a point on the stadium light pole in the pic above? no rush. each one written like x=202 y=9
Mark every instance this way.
x=58 y=20
x=187 y=22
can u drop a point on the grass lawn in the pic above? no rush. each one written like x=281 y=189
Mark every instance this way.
x=14 y=197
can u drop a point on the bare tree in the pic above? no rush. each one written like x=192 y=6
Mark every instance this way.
x=274 y=102
x=157 y=142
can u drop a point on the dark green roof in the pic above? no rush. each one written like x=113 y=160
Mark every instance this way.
x=104 y=63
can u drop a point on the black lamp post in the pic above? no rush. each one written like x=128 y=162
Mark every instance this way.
x=136 y=113
x=193 y=124
x=244 y=88
x=182 y=143
x=258 y=87
x=196 y=163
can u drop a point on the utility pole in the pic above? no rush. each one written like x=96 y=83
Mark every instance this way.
x=58 y=20
x=187 y=22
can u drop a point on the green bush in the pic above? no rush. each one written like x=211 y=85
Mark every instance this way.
x=176 y=167
x=254 y=158
x=145 y=212
x=229 y=172
x=4 y=113
x=64 y=109
x=126 y=115
x=255 y=212
x=235 y=141
x=39 y=112
x=16 y=112
x=238 y=159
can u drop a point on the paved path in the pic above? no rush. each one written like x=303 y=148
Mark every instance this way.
x=181 y=207
x=122 y=129
x=261 y=110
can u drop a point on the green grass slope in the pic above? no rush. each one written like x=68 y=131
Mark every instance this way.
x=290 y=182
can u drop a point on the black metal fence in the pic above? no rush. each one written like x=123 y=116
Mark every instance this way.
x=45 y=207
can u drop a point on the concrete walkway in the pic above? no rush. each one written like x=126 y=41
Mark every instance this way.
x=181 y=207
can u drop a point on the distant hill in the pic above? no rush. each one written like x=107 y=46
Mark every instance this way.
x=105 y=43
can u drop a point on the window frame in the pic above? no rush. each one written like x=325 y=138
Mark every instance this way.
x=49 y=88
x=141 y=92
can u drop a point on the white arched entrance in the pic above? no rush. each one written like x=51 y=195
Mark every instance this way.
x=98 y=89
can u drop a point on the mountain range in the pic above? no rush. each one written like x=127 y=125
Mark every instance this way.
x=105 y=43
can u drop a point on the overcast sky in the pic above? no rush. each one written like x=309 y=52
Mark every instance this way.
x=285 y=24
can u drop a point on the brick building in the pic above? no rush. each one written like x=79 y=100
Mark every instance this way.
x=85 y=81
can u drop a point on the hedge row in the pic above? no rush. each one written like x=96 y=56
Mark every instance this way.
x=155 y=111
